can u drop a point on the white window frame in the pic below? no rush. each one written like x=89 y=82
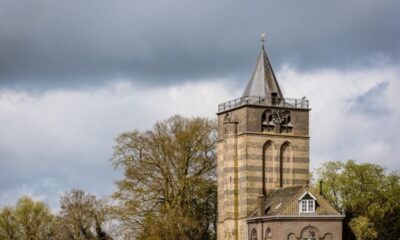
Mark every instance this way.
x=307 y=206
x=309 y=203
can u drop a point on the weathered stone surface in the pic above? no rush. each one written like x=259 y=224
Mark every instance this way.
x=262 y=147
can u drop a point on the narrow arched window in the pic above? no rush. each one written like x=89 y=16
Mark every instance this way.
x=268 y=234
x=267 y=165
x=253 y=234
x=266 y=122
x=285 y=164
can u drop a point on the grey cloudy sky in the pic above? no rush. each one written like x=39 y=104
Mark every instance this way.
x=74 y=74
x=68 y=43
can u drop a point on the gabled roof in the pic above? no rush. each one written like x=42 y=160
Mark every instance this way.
x=263 y=81
x=285 y=201
x=307 y=193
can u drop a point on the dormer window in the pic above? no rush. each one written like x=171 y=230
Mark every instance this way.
x=307 y=206
x=307 y=203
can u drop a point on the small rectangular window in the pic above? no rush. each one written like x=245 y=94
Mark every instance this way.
x=311 y=205
x=307 y=206
x=303 y=206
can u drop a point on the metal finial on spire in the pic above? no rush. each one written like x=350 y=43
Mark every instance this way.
x=263 y=37
x=263 y=82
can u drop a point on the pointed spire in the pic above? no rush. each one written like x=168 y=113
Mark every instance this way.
x=263 y=82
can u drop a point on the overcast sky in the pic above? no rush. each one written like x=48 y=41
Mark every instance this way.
x=74 y=74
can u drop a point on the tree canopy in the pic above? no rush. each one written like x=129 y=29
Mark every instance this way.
x=168 y=191
x=81 y=217
x=28 y=220
x=368 y=194
x=169 y=183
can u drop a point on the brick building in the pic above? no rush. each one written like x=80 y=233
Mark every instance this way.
x=263 y=166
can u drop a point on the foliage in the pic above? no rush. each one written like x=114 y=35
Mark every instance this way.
x=169 y=192
x=368 y=194
x=82 y=216
x=169 y=179
x=8 y=224
x=28 y=220
x=363 y=228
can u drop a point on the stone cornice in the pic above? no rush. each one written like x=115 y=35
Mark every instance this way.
x=294 y=217
x=269 y=134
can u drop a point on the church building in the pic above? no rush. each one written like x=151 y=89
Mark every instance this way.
x=263 y=167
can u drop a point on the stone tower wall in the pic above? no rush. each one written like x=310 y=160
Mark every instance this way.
x=242 y=148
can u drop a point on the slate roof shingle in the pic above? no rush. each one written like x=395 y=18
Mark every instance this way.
x=285 y=201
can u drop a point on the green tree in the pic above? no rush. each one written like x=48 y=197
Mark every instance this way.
x=8 y=224
x=363 y=228
x=329 y=173
x=34 y=219
x=389 y=219
x=82 y=217
x=28 y=220
x=368 y=194
x=169 y=183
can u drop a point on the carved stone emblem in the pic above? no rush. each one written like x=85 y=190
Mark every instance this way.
x=279 y=116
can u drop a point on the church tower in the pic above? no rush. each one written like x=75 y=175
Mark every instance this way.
x=263 y=144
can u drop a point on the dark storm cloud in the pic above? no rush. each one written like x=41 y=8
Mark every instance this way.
x=60 y=43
